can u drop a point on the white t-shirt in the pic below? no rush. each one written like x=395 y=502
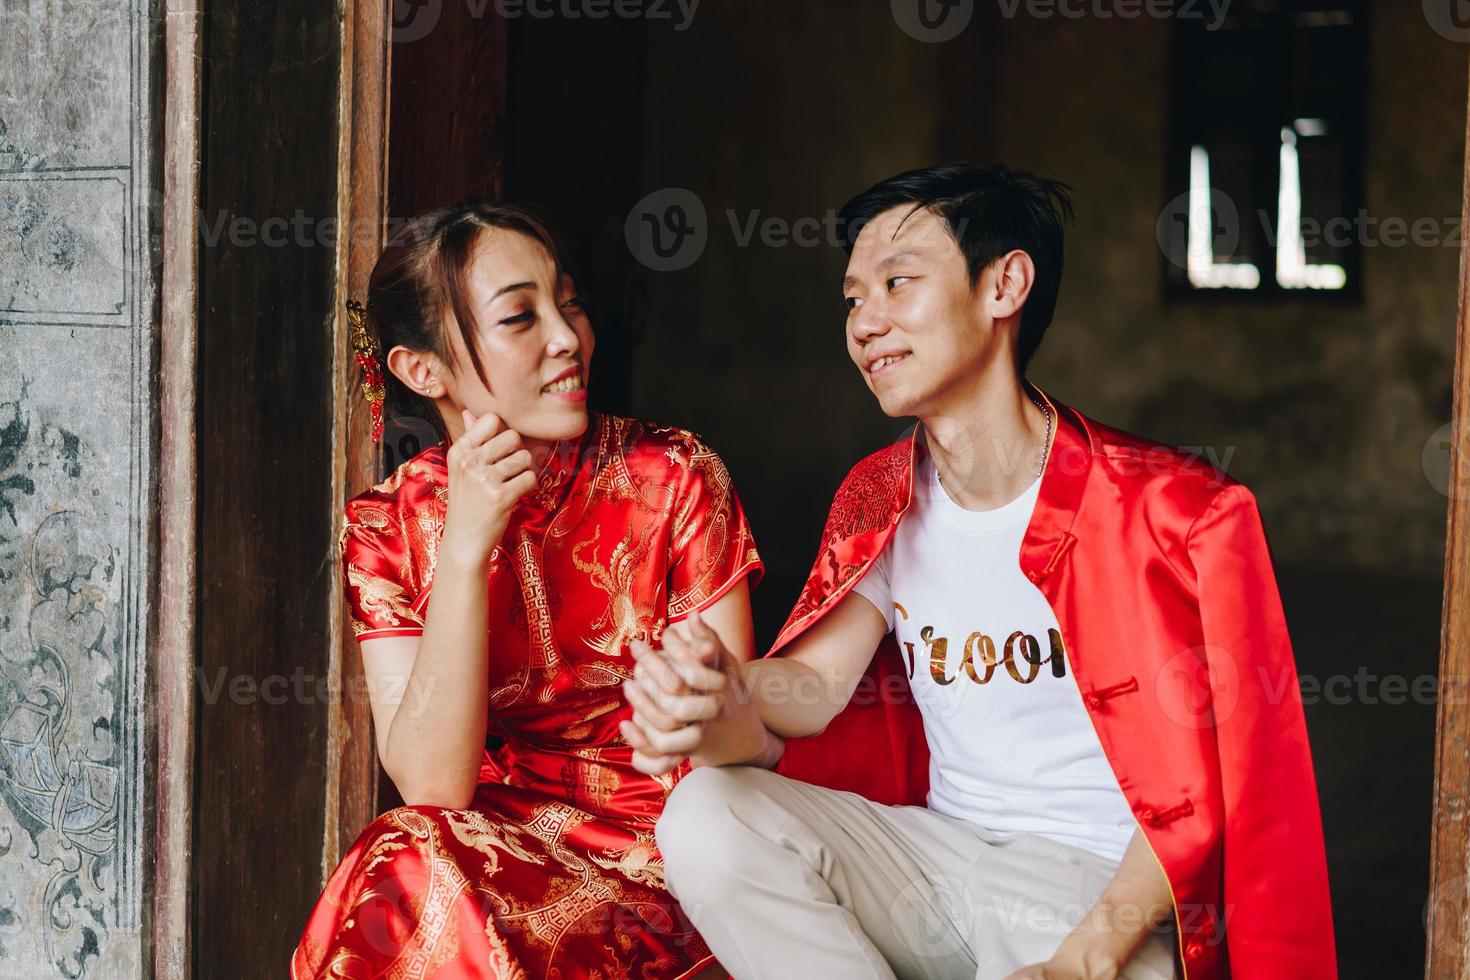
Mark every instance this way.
x=1011 y=745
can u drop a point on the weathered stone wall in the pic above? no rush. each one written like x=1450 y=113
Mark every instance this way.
x=77 y=326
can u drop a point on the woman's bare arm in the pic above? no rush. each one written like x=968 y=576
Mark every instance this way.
x=429 y=695
x=730 y=618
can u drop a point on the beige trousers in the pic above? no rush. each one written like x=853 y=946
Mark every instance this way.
x=786 y=880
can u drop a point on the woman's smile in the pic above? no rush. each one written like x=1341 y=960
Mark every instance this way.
x=569 y=386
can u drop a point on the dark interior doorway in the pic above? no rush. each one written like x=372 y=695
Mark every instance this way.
x=767 y=111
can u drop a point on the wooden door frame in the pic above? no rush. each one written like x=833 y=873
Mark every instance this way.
x=351 y=759
x=173 y=667
x=1447 y=913
x=174 y=704
x=351 y=792
x=465 y=161
x=362 y=173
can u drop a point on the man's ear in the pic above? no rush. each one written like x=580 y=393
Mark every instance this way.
x=419 y=370
x=1014 y=275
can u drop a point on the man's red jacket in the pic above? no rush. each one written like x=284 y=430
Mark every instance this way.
x=1157 y=569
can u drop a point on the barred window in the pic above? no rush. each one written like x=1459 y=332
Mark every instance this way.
x=1265 y=151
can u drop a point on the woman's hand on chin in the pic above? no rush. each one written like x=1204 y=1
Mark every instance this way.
x=490 y=470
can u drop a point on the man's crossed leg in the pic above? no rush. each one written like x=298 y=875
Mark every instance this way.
x=787 y=879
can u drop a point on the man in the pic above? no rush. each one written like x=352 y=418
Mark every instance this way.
x=1082 y=627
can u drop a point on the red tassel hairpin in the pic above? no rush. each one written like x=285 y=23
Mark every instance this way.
x=365 y=350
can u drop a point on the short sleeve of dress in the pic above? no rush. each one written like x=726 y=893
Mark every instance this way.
x=874 y=587
x=374 y=560
x=711 y=547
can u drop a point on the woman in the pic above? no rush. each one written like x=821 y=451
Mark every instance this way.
x=550 y=539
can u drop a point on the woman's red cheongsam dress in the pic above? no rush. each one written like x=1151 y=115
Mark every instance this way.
x=552 y=870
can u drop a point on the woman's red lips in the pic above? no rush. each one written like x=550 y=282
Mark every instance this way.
x=576 y=391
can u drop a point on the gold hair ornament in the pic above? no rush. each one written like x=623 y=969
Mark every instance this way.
x=365 y=350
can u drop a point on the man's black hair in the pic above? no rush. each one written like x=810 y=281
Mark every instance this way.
x=989 y=211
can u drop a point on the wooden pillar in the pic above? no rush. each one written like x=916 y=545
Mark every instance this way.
x=404 y=147
x=265 y=578
x=362 y=171
x=173 y=661
x=1447 y=915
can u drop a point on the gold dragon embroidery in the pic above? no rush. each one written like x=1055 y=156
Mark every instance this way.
x=623 y=620
x=381 y=598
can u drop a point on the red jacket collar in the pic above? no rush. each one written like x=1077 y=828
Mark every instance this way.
x=878 y=491
x=1068 y=462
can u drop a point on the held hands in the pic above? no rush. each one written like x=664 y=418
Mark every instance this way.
x=489 y=471
x=690 y=701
